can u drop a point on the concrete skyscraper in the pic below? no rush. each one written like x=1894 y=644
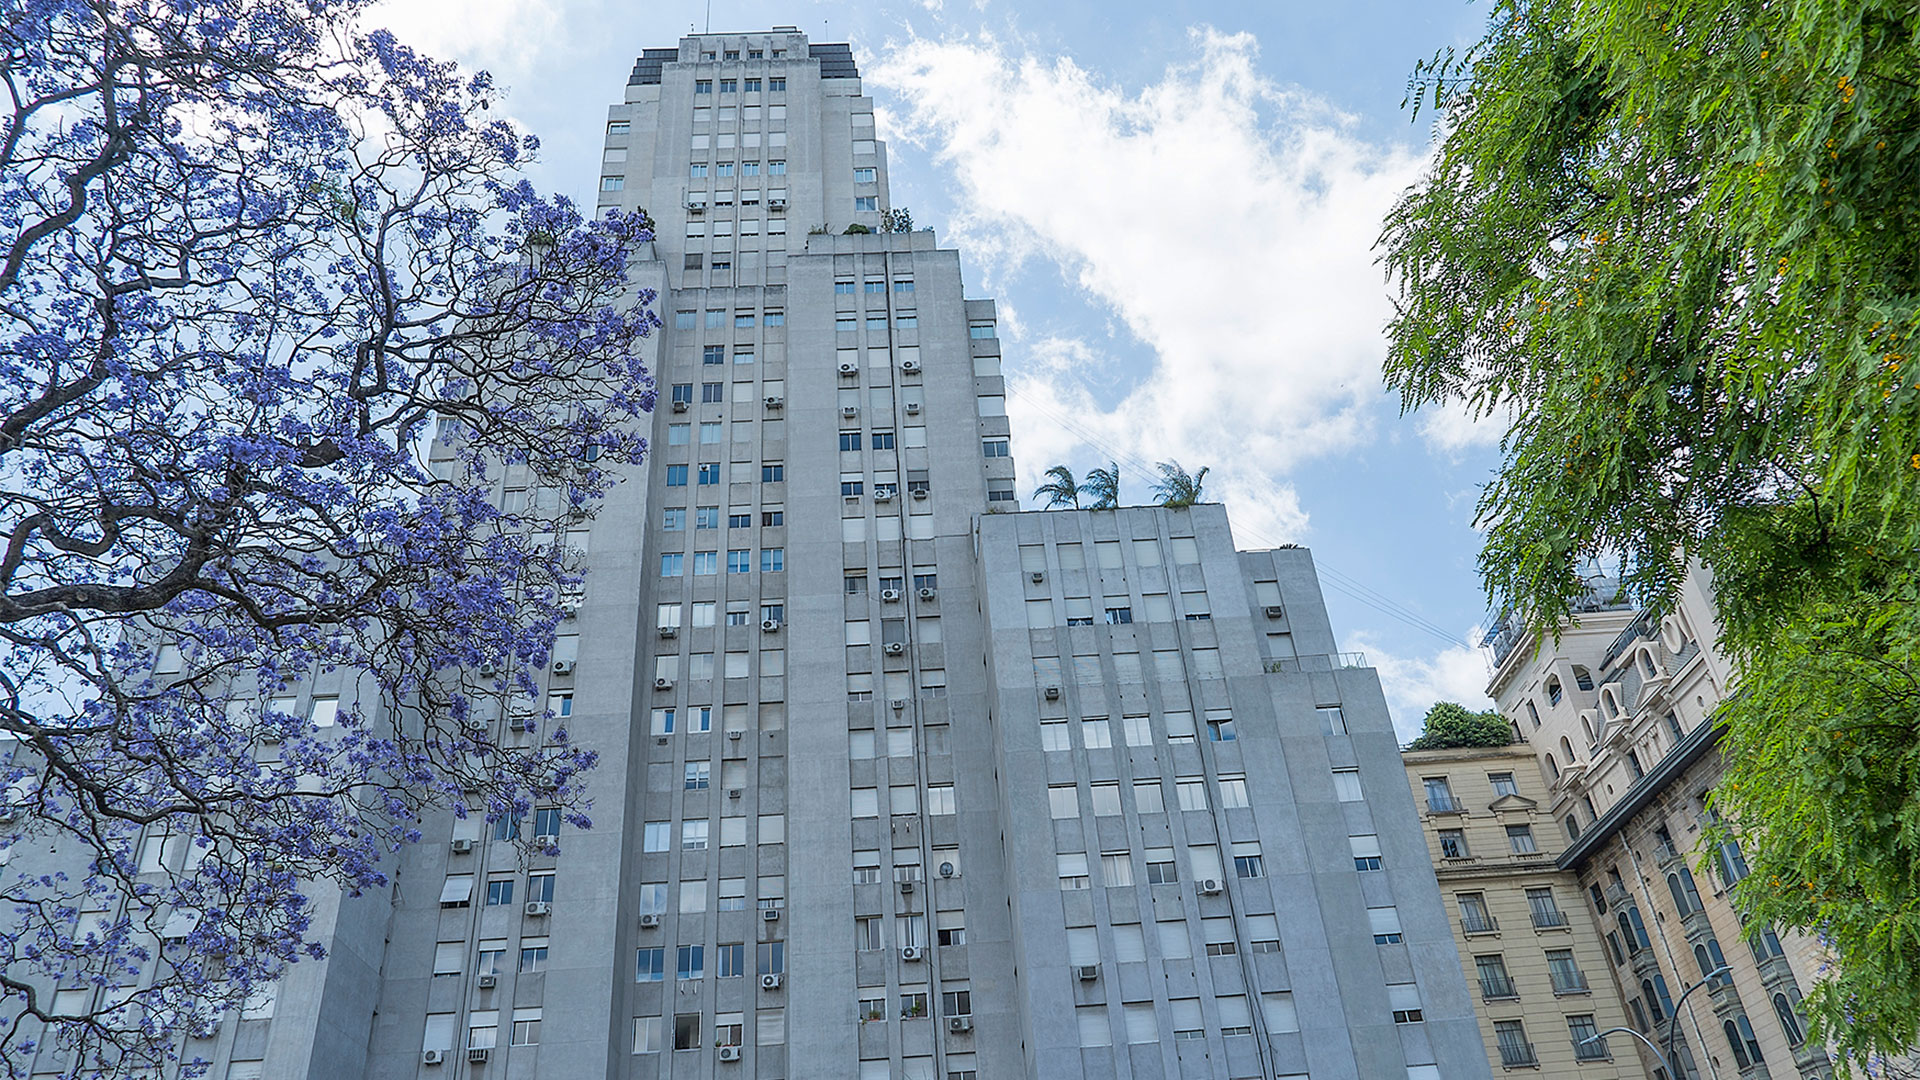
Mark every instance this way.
x=895 y=780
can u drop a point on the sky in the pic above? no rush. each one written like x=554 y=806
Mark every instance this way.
x=1175 y=206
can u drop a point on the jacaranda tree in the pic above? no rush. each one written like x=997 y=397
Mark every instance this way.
x=1676 y=242
x=254 y=261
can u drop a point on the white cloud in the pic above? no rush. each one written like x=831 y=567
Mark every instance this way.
x=1225 y=220
x=1452 y=429
x=504 y=37
x=1413 y=683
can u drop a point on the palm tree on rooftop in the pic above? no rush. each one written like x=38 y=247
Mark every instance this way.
x=1176 y=489
x=1104 y=487
x=1061 y=490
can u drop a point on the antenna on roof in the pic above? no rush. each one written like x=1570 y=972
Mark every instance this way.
x=709 y=16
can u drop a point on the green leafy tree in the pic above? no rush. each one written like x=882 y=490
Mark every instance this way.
x=1176 y=488
x=1061 y=490
x=1103 y=486
x=1676 y=244
x=1450 y=725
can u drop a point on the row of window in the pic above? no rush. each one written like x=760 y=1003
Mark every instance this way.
x=1496 y=983
x=726 y=169
x=457 y=890
x=729 y=1030
x=449 y=958
x=655 y=898
x=1517 y=1052
x=696 y=834
x=684 y=319
x=709 y=473
x=774 y=85
x=876 y=320
x=1096 y=733
x=674 y=518
x=730 y=961
x=872 y=286
x=700 y=665
x=739 y=561
x=1520 y=841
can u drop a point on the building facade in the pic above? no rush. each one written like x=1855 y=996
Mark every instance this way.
x=894 y=782
x=1531 y=954
x=1617 y=714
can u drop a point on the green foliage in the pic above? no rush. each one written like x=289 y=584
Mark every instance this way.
x=1678 y=243
x=1103 y=487
x=1061 y=490
x=1176 y=488
x=856 y=229
x=1450 y=725
x=897 y=220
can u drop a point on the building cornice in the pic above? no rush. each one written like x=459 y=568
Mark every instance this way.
x=1650 y=787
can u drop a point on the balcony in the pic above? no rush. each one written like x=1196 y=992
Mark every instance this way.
x=1570 y=982
x=1479 y=924
x=1550 y=920
x=1518 y=1055
x=1498 y=989
x=1444 y=804
x=1591 y=1051
x=1317 y=662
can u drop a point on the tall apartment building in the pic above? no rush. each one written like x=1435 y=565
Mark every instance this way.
x=894 y=782
x=1616 y=716
x=1530 y=953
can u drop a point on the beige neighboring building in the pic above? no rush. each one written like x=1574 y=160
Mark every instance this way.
x=1534 y=959
x=1615 y=718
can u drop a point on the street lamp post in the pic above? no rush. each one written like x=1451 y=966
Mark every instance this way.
x=1666 y=1057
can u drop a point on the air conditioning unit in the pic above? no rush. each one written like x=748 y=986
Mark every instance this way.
x=669 y=631
x=889 y=596
x=729 y=1053
x=1037 y=577
x=898 y=704
x=660 y=740
x=1087 y=972
x=432 y=1057
x=1209 y=887
x=520 y=722
x=919 y=493
x=769 y=625
x=539 y=908
x=910 y=953
x=849 y=368
x=487 y=982
x=696 y=208
x=679 y=406
x=546 y=840
x=906 y=887
x=848 y=412
x=770 y=981
x=487 y=668
x=563 y=667
x=462 y=845
x=927 y=593
x=663 y=684
x=269 y=737
x=882 y=494
x=910 y=366
x=735 y=735
x=477 y=1054
x=1275 y=611
x=649 y=922
x=893 y=648
x=776 y=204
x=947 y=870
x=771 y=914
x=1053 y=693
x=913 y=408
x=733 y=793
x=959 y=1025
x=774 y=402
x=570 y=609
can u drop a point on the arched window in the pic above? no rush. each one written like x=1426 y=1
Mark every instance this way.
x=1789 y=1023
x=1648 y=669
x=1582 y=678
x=1653 y=1001
x=1553 y=767
x=1609 y=703
x=1533 y=714
x=1553 y=690
x=1566 y=747
x=1732 y=1040
x=1700 y=957
x=1746 y=1033
x=1626 y=931
x=1680 y=902
x=1586 y=726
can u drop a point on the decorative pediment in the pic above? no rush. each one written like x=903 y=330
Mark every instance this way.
x=1512 y=802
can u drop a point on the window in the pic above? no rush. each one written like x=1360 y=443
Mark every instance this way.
x=676 y=476
x=1247 y=861
x=500 y=892
x=1147 y=797
x=1494 y=980
x=1503 y=784
x=686 y=1031
x=1404 y=999
x=1546 y=913
x=692 y=963
x=1565 y=972
x=1440 y=798
x=1385 y=923
x=730 y=86
x=612 y=183
x=773 y=518
x=1219 y=727
x=1366 y=851
x=533 y=955
x=698 y=775
x=1346 y=785
x=1332 y=722
x=1520 y=839
x=1072 y=868
x=883 y=440
x=1096 y=734
x=1192 y=792
x=673 y=518
x=651 y=964
x=693 y=836
x=1474 y=917
x=706 y=563
x=739 y=561
x=773 y=473
x=703 y=86
x=1453 y=844
x=866 y=933
x=526 y=1027
x=773 y=560
x=483 y=1029
x=1064 y=801
x=849 y=440
x=980 y=330
x=778 y=86
x=1789 y=1019
x=1515 y=1050
x=730 y=961
x=1116 y=869
x=1233 y=792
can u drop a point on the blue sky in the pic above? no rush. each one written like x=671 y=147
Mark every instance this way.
x=1175 y=205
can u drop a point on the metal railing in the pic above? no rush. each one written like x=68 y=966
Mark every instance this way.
x=1570 y=982
x=1317 y=662
x=1494 y=989
x=1479 y=924
x=1549 y=920
x=1517 y=1053
x=1443 y=804
x=1595 y=1050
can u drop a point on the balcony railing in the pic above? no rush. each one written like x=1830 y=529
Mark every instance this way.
x=1516 y=1054
x=1318 y=662
x=1549 y=920
x=1444 y=804
x=1480 y=924
x=1570 y=982
x=1495 y=989
x=1591 y=1051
